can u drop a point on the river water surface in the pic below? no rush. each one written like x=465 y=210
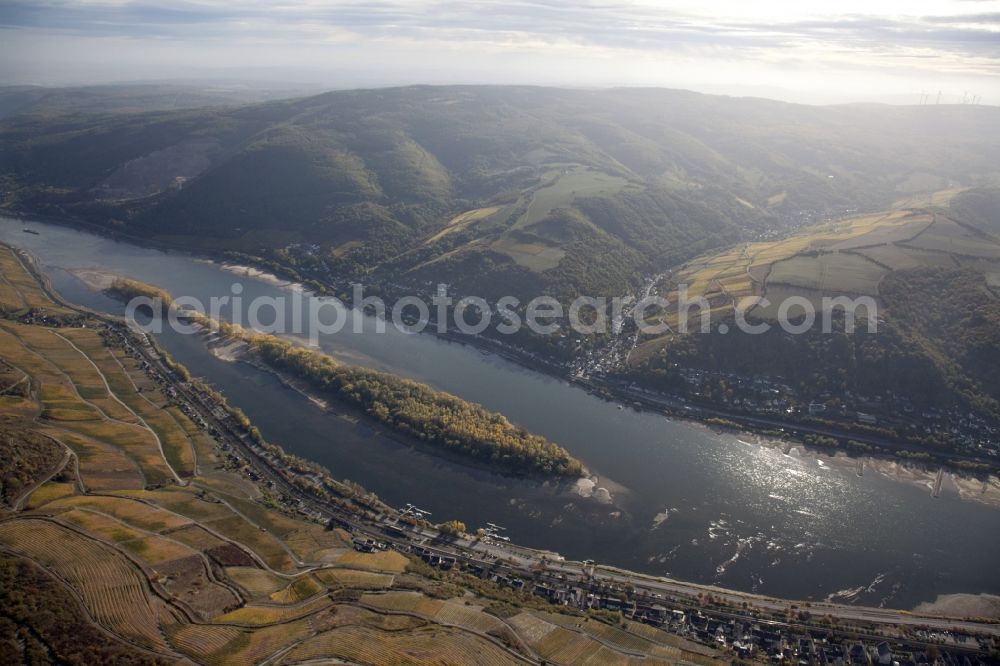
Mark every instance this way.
x=685 y=501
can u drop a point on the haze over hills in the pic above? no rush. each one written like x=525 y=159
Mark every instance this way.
x=138 y=97
x=496 y=191
x=567 y=191
x=504 y=190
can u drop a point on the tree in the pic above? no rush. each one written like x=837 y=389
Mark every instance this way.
x=452 y=528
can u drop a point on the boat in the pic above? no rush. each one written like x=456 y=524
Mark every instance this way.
x=30 y=231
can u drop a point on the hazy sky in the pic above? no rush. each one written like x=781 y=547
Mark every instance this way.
x=826 y=50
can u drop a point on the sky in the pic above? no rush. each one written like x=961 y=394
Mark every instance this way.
x=811 y=51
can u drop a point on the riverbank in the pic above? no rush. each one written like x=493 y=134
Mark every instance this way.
x=982 y=488
x=215 y=255
x=438 y=418
x=238 y=351
x=601 y=489
x=736 y=423
x=610 y=390
x=668 y=464
x=962 y=605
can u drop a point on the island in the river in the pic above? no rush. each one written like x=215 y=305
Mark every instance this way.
x=411 y=408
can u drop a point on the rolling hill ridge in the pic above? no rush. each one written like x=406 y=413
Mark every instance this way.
x=535 y=189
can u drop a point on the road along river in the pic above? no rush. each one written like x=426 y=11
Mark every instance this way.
x=678 y=499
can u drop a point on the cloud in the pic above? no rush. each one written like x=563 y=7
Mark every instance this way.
x=607 y=23
x=921 y=35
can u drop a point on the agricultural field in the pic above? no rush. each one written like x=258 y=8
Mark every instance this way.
x=302 y=588
x=49 y=492
x=19 y=290
x=535 y=256
x=220 y=645
x=112 y=588
x=924 y=200
x=102 y=466
x=899 y=257
x=829 y=273
x=613 y=636
x=309 y=542
x=631 y=637
x=141 y=515
x=530 y=627
x=848 y=257
x=410 y=602
x=426 y=645
x=350 y=615
x=191 y=581
x=17 y=408
x=566 y=185
x=201 y=642
x=468 y=616
x=463 y=221
x=261 y=615
x=362 y=580
x=102 y=525
x=75 y=397
x=952 y=238
x=197 y=537
x=256 y=645
x=259 y=583
x=563 y=186
x=174 y=431
x=388 y=562
x=266 y=546
x=560 y=645
x=568 y=647
x=887 y=230
x=746 y=269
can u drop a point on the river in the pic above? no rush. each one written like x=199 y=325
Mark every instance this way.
x=685 y=501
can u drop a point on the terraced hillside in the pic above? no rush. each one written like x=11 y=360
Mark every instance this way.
x=847 y=257
x=134 y=529
x=932 y=272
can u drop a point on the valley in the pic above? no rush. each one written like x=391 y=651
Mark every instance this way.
x=213 y=548
x=520 y=192
x=629 y=494
x=194 y=537
x=648 y=463
x=541 y=333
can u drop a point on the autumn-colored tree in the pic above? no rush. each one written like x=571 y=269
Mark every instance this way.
x=452 y=528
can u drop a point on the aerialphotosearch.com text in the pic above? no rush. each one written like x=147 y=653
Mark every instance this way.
x=303 y=314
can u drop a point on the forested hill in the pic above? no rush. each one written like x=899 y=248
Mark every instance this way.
x=513 y=188
x=931 y=371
